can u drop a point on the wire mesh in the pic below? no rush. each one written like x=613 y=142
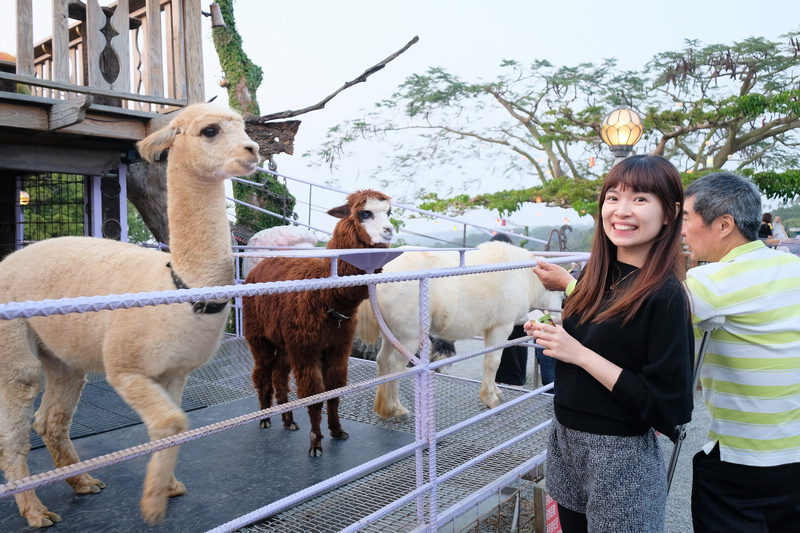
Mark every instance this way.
x=54 y=208
x=227 y=377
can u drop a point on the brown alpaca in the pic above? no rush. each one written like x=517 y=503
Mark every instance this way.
x=147 y=353
x=311 y=332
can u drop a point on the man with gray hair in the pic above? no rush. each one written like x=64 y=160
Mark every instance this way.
x=746 y=477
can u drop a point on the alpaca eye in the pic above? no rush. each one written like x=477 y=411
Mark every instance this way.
x=365 y=215
x=210 y=131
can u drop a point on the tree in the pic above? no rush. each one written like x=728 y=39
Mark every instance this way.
x=702 y=107
x=242 y=79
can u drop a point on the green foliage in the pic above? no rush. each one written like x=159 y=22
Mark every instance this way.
x=55 y=208
x=137 y=230
x=703 y=107
x=273 y=197
x=783 y=186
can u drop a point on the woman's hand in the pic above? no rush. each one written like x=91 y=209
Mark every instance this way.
x=556 y=341
x=553 y=277
x=561 y=345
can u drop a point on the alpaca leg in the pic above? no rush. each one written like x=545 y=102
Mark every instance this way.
x=174 y=388
x=263 y=353
x=280 y=383
x=20 y=380
x=387 y=398
x=310 y=382
x=490 y=394
x=163 y=418
x=335 y=376
x=54 y=418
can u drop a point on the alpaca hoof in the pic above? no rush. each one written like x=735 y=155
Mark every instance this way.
x=292 y=426
x=265 y=423
x=176 y=488
x=401 y=418
x=315 y=451
x=341 y=435
x=154 y=513
x=86 y=484
x=492 y=402
x=43 y=519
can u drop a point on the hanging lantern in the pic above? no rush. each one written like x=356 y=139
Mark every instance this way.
x=24 y=198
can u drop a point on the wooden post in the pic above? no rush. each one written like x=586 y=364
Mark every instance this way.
x=193 y=49
x=60 y=41
x=24 y=38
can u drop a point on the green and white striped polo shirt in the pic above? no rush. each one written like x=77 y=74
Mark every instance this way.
x=751 y=375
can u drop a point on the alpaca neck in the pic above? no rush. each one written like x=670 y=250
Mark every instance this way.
x=200 y=237
x=345 y=297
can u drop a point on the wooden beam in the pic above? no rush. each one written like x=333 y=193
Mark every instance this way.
x=38 y=82
x=27 y=158
x=117 y=128
x=69 y=112
x=103 y=125
x=20 y=116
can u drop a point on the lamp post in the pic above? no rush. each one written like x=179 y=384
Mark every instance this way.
x=621 y=129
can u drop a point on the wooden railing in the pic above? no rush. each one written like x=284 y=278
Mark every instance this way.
x=144 y=55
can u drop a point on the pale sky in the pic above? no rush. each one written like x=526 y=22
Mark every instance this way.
x=309 y=48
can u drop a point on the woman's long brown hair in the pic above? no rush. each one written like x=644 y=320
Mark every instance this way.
x=642 y=173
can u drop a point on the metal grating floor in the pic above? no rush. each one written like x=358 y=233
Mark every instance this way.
x=227 y=377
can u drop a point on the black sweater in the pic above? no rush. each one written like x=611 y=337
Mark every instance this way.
x=655 y=351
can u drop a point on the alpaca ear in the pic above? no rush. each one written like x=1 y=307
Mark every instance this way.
x=340 y=212
x=154 y=144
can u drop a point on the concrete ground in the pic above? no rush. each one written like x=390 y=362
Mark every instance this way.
x=679 y=500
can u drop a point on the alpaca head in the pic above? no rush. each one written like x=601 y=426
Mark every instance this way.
x=367 y=212
x=207 y=140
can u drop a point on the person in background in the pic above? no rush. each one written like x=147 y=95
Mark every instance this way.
x=765 y=231
x=778 y=231
x=623 y=356
x=745 y=478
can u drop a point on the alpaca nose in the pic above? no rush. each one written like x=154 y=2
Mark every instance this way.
x=252 y=147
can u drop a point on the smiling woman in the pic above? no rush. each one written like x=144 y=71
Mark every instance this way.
x=617 y=342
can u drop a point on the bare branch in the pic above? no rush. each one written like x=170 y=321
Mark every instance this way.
x=362 y=78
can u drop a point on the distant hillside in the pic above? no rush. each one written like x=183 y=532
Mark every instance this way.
x=578 y=239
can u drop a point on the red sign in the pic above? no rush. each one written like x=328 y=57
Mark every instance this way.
x=551 y=511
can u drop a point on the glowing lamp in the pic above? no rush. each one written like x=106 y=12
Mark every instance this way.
x=621 y=129
x=24 y=198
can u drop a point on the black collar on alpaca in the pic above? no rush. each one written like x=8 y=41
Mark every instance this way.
x=199 y=308
x=336 y=315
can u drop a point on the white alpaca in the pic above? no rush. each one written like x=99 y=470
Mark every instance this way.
x=147 y=353
x=278 y=236
x=461 y=307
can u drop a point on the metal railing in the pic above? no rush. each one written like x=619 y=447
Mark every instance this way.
x=426 y=436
